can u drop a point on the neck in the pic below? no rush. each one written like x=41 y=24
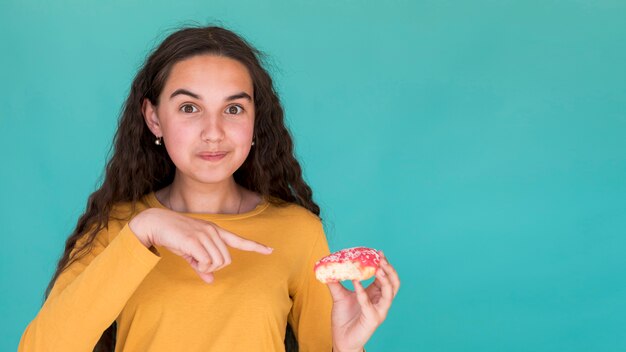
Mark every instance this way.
x=188 y=196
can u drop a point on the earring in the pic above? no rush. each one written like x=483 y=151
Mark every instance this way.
x=253 y=142
x=159 y=141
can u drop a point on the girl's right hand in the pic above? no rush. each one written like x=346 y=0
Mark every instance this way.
x=202 y=243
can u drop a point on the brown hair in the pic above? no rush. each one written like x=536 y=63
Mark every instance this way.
x=137 y=167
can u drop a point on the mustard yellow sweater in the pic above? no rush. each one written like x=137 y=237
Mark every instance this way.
x=161 y=304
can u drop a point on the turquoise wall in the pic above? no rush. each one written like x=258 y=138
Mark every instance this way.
x=479 y=143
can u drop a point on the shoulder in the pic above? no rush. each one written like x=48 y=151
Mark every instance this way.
x=292 y=212
x=300 y=226
x=103 y=231
x=122 y=212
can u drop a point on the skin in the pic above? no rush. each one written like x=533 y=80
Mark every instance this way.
x=190 y=126
x=210 y=122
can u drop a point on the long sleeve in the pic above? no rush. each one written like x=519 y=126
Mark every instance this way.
x=89 y=295
x=310 y=315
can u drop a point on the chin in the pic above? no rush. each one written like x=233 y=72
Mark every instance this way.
x=212 y=179
x=210 y=174
x=207 y=176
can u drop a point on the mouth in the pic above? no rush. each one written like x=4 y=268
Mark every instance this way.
x=212 y=156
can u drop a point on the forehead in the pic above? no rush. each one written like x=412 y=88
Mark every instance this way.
x=209 y=74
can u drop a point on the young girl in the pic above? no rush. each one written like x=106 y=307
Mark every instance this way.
x=203 y=235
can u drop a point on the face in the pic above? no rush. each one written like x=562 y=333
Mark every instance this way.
x=205 y=116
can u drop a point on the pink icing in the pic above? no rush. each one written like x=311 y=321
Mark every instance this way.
x=366 y=256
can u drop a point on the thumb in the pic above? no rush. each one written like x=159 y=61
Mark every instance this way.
x=206 y=277
x=337 y=291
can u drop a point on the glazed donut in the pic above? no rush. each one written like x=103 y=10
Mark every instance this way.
x=356 y=263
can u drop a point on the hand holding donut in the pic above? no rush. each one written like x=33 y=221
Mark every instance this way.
x=203 y=244
x=356 y=315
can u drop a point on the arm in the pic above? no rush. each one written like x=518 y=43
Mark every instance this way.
x=89 y=295
x=312 y=303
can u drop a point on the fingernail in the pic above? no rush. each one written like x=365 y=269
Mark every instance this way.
x=270 y=249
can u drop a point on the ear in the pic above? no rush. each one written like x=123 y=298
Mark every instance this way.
x=151 y=118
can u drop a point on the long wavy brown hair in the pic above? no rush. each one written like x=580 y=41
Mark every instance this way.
x=138 y=167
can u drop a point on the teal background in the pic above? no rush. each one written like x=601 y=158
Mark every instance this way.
x=479 y=143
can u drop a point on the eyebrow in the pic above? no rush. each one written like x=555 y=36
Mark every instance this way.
x=196 y=96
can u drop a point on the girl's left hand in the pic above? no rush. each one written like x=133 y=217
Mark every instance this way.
x=356 y=315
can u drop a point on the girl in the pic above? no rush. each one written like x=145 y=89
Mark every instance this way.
x=203 y=235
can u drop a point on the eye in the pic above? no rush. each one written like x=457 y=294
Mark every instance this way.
x=234 y=109
x=188 y=108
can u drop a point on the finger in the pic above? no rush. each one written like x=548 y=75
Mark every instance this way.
x=191 y=261
x=368 y=311
x=188 y=258
x=337 y=291
x=207 y=277
x=363 y=299
x=235 y=241
x=221 y=246
x=384 y=303
x=376 y=285
x=393 y=278
x=216 y=257
x=209 y=239
x=374 y=290
x=197 y=250
x=392 y=274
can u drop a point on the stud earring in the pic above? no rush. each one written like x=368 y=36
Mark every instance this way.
x=252 y=142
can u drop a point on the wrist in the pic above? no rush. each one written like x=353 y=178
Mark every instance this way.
x=138 y=226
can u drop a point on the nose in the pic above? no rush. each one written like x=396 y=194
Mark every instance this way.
x=212 y=129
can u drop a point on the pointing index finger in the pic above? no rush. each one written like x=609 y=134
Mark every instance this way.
x=238 y=242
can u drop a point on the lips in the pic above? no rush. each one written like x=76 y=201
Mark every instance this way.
x=212 y=156
x=218 y=153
